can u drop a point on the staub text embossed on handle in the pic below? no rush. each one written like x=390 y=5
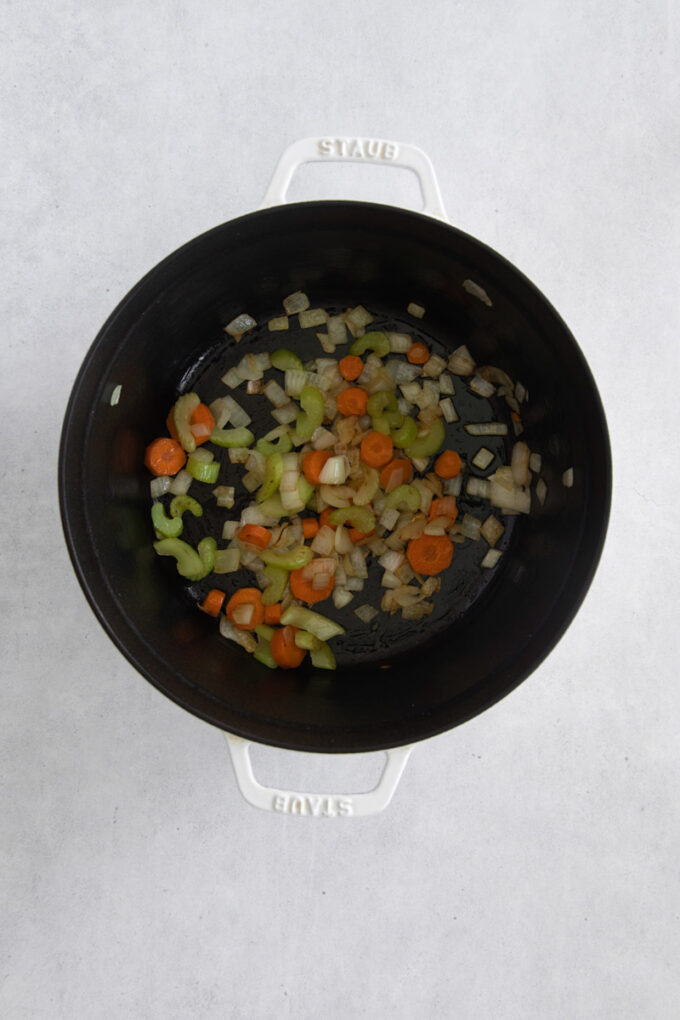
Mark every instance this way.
x=357 y=148
x=309 y=804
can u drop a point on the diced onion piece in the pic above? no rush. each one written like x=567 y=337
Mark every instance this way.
x=275 y=394
x=399 y=342
x=417 y=311
x=249 y=367
x=357 y=318
x=327 y=344
x=406 y=595
x=391 y=560
x=180 y=483
x=251 y=480
x=541 y=491
x=482 y=458
x=520 y=464
x=286 y=414
x=343 y=543
x=254 y=386
x=411 y=391
x=237 y=416
x=296 y=302
x=446 y=384
x=232 y=379
x=452 y=486
x=426 y=494
x=240 y=325
x=323 y=543
x=278 y=323
x=337 y=496
x=402 y=371
x=491 y=530
x=471 y=527
x=341 y=597
x=334 y=471
x=312 y=317
x=390 y=580
x=358 y=562
x=230 y=529
x=487 y=428
x=337 y=330
x=517 y=427
x=437 y=526
x=478 y=487
x=366 y=613
x=434 y=367
x=295 y=380
x=389 y=518
x=476 y=291
x=250 y=560
x=159 y=485
x=568 y=478
x=221 y=412
x=520 y=393
x=430 y=586
x=461 y=361
x=227 y=560
x=253 y=515
x=225 y=495
x=418 y=611
x=238 y=454
x=241 y=637
x=322 y=438
x=535 y=462
x=481 y=387
x=491 y=558
x=448 y=411
x=509 y=499
x=354 y=584
x=420 y=463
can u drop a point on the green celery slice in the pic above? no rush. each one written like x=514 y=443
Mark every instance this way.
x=283 y=444
x=181 y=416
x=192 y=564
x=389 y=422
x=375 y=341
x=429 y=444
x=404 y=495
x=273 y=473
x=263 y=653
x=184 y=503
x=278 y=578
x=303 y=639
x=406 y=434
x=311 y=416
x=232 y=437
x=203 y=471
x=323 y=657
x=315 y=623
x=360 y=517
x=286 y=360
x=383 y=400
x=165 y=526
x=290 y=559
x=264 y=631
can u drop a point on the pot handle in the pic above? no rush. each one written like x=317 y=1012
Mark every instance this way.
x=316 y=805
x=356 y=150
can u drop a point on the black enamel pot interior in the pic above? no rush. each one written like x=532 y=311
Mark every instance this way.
x=396 y=682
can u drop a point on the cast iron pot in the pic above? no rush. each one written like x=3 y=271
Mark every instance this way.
x=490 y=630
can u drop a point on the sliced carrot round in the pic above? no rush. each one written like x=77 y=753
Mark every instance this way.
x=352 y=401
x=239 y=603
x=255 y=534
x=165 y=456
x=310 y=527
x=444 y=507
x=312 y=465
x=397 y=472
x=325 y=518
x=351 y=367
x=417 y=353
x=285 y=652
x=303 y=589
x=213 y=602
x=430 y=554
x=448 y=464
x=360 y=536
x=272 y=614
x=202 y=419
x=376 y=449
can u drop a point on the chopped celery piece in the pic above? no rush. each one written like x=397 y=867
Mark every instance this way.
x=429 y=444
x=322 y=657
x=165 y=526
x=181 y=417
x=181 y=504
x=360 y=517
x=311 y=416
x=263 y=630
x=190 y=563
x=303 y=639
x=207 y=550
x=305 y=489
x=203 y=471
x=281 y=445
x=368 y=488
x=389 y=422
x=232 y=437
x=383 y=400
x=263 y=653
x=274 y=508
x=273 y=473
x=290 y=559
x=374 y=341
x=318 y=625
x=285 y=360
x=278 y=578
x=405 y=434
x=404 y=496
